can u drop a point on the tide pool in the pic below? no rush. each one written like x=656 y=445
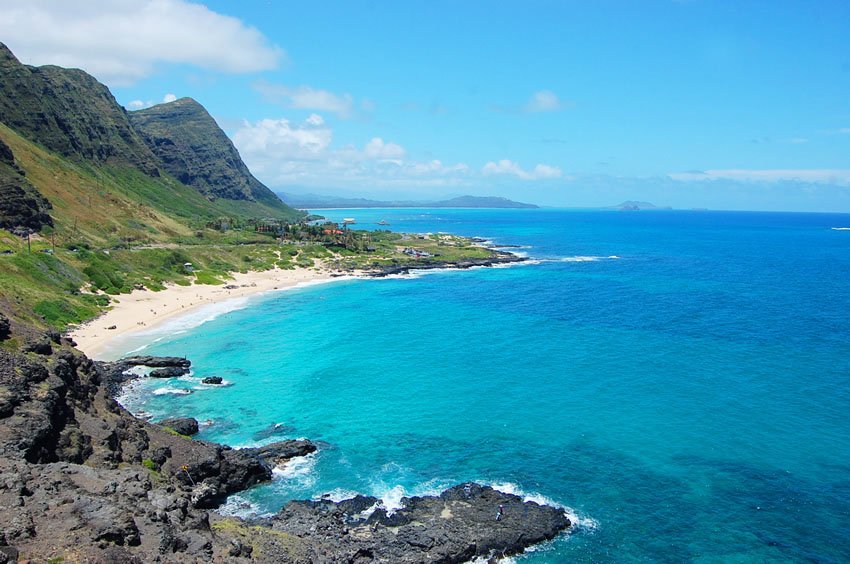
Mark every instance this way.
x=678 y=381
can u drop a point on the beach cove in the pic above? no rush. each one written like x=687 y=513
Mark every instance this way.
x=645 y=451
x=144 y=310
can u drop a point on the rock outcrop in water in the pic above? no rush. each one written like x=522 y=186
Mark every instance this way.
x=500 y=258
x=465 y=522
x=82 y=479
x=184 y=425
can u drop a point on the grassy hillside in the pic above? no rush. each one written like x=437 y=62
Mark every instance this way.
x=117 y=204
x=115 y=229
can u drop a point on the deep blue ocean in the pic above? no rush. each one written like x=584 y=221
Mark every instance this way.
x=678 y=381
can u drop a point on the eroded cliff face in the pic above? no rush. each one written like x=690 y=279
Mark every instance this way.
x=22 y=207
x=82 y=479
x=69 y=112
x=194 y=149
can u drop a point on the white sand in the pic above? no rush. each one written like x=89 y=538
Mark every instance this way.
x=143 y=309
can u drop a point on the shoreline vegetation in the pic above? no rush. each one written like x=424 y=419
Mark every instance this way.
x=142 y=309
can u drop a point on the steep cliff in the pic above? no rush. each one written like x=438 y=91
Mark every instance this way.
x=71 y=115
x=193 y=148
x=69 y=112
x=21 y=205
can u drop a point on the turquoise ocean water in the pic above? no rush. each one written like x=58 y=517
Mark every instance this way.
x=679 y=381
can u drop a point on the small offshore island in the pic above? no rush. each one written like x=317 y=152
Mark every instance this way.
x=103 y=211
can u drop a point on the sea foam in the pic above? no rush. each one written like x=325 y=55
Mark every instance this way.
x=579 y=521
x=172 y=391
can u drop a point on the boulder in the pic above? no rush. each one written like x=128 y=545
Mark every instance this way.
x=168 y=372
x=183 y=425
x=39 y=346
x=279 y=453
x=216 y=380
x=156 y=361
x=106 y=521
x=5 y=327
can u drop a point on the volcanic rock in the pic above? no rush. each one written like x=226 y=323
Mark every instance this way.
x=183 y=425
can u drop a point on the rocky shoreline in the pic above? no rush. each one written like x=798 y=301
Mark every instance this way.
x=84 y=480
x=501 y=257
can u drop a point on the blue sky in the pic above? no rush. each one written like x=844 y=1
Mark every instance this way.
x=733 y=105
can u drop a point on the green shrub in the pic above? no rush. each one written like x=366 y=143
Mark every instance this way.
x=204 y=277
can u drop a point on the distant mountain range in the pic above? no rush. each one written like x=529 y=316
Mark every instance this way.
x=314 y=201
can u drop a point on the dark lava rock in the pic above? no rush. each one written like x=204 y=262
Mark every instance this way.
x=107 y=521
x=54 y=336
x=81 y=477
x=459 y=525
x=498 y=258
x=170 y=372
x=183 y=425
x=5 y=327
x=23 y=209
x=212 y=380
x=279 y=453
x=115 y=374
x=40 y=346
x=8 y=554
x=156 y=361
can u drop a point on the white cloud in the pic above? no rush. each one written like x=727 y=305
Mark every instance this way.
x=142 y=104
x=816 y=176
x=377 y=149
x=282 y=152
x=543 y=101
x=508 y=167
x=306 y=98
x=270 y=140
x=315 y=119
x=436 y=166
x=122 y=41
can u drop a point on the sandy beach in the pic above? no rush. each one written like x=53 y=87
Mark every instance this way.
x=142 y=310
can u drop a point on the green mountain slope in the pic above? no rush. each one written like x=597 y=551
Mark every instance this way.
x=70 y=113
x=73 y=117
x=193 y=148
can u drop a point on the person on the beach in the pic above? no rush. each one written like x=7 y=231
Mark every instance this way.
x=501 y=512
